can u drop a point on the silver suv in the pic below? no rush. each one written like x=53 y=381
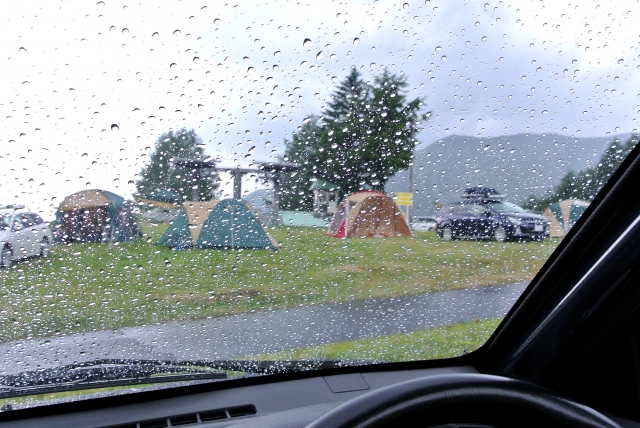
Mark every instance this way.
x=22 y=234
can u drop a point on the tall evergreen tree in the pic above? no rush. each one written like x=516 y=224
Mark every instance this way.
x=366 y=134
x=160 y=174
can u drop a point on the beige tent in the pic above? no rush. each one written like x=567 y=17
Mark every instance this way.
x=368 y=213
x=563 y=215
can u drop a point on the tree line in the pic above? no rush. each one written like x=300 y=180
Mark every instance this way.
x=364 y=136
x=585 y=184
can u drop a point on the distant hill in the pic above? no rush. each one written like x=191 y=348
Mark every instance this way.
x=517 y=165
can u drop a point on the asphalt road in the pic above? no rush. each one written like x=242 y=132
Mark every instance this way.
x=264 y=332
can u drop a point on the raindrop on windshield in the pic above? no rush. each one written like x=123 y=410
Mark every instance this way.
x=125 y=31
x=115 y=127
x=155 y=35
x=246 y=59
x=405 y=6
x=306 y=43
x=356 y=41
x=319 y=56
x=177 y=33
x=438 y=48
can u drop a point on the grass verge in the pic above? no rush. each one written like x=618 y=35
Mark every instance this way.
x=433 y=343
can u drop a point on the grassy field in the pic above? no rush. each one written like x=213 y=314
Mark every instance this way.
x=83 y=287
x=428 y=344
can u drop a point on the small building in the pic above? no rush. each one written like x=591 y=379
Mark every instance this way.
x=325 y=198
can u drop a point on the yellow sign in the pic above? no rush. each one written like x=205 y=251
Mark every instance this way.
x=404 y=199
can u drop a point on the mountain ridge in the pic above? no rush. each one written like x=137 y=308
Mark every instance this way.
x=518 y=165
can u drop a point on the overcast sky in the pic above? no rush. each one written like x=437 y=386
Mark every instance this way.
x=243 y=77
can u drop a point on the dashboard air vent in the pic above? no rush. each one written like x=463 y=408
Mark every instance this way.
x=188 y=419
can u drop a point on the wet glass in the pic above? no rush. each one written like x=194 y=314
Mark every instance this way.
x=238 y=181
x=505 y=207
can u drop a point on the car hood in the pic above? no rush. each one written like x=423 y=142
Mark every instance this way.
x=526 y=216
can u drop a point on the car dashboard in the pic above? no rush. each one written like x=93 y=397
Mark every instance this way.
x=288 y=403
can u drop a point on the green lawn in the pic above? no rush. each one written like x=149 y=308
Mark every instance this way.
x=83 y=287
x=428 y=344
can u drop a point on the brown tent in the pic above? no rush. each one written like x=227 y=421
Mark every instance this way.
x=368 y=213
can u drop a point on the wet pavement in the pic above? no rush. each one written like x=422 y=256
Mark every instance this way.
x=265 y=332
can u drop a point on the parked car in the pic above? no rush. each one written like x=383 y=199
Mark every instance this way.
x=423 y=224
x=22 y=234
x=490 y=218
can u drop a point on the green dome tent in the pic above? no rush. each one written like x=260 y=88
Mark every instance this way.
x=95 y=216
x=563 y=215
x=216 y=224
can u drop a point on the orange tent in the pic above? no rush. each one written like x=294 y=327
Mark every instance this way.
x=368 y=213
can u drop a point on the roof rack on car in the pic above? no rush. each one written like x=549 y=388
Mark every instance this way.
x=488 y=193
x=12 y=207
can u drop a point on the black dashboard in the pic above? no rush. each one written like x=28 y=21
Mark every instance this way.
x=290 y=403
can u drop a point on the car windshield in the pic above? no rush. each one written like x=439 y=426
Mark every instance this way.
x=230 y=183
x=505 y=207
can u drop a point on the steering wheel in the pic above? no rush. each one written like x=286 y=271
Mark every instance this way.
x=461 y=398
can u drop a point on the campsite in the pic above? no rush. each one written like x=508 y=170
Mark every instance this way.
x=140 y=283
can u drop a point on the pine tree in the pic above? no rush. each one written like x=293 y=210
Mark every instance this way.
x=365 y=135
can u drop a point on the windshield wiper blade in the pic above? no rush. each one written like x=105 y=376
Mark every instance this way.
x=283 y=366
x=118 y=372
x=103 y=373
